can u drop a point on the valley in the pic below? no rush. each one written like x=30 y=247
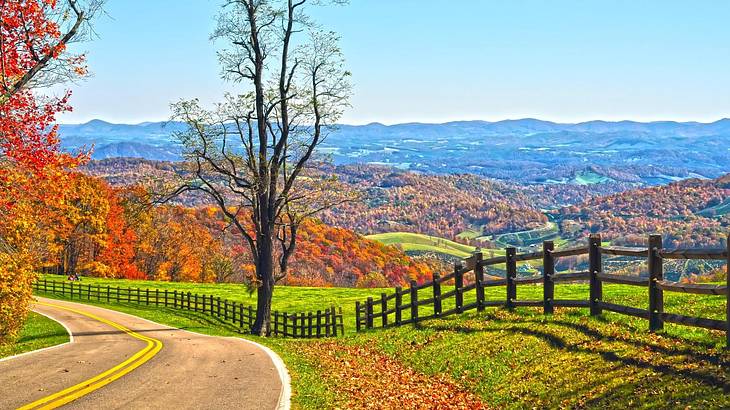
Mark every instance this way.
x=440 y=219
x=525 y=150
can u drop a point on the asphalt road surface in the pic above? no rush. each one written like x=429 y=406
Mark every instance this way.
x=117 y=361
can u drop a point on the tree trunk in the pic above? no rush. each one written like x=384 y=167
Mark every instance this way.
x=265 y=274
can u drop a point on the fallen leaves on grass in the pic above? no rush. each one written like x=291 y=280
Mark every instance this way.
x=371 y=380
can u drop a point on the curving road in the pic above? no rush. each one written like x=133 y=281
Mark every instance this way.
x=117 y=360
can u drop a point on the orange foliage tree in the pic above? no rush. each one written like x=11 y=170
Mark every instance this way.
x=33 y=39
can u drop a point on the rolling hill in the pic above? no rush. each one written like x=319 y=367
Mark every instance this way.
x=525 y=150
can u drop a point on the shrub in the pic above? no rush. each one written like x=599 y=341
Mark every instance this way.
x=16 y=280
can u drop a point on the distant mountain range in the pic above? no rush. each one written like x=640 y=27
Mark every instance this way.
x=526 y=150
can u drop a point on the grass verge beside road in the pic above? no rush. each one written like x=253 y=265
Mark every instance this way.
x=505 y=359
x=38 y=332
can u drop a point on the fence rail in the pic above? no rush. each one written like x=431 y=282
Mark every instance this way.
x=322 y=323
x=408 y=306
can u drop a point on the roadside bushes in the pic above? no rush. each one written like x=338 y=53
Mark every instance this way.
x=16 y=279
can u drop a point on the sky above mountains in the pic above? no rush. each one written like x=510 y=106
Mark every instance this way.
x=435 y=61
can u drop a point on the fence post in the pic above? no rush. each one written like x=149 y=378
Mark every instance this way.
x=656 y=273
x=276 y=322
x=334 y=320
x=398 y=304
x=319 y=321
x=479 y=279
x=303 y=324
x=595 y=266
x=286 y=325
x=357 y=316
x=240 y=315
x=458 y=285
x=414 y=302
x=511 y=266
x=327 y=322
x=342 y=320
x=166 y=298
x=548 y=270
x=309 y=325
x=108 y=293
x=369 y=313
x=384 y=308
x=436 y=294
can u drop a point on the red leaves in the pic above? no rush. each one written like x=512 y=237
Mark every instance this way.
x=371 y=380
x=28 y=139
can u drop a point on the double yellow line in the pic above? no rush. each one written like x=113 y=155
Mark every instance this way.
x=74 y=392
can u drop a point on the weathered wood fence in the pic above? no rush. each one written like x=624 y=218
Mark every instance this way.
x=322 y=323
x=392 y=309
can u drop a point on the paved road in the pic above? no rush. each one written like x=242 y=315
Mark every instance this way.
x=176 y=369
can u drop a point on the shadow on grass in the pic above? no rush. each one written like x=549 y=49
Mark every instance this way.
x=559 y=342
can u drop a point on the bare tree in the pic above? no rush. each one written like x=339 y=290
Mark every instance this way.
x=253 y=155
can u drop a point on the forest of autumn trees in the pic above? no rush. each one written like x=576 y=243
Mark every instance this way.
x=34 y=35
x=102 y=231
x=673 y=210
x=440 y=205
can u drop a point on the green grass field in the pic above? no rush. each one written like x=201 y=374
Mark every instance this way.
x=469 y=234
x=286 y=298
x=526 y=238
x=520 y=359
x=419 y=242
x=588 y=178
x=37 y=333
x=411 y=242
x=718 y=210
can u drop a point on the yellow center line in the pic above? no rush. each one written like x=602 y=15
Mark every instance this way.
x=74 y=392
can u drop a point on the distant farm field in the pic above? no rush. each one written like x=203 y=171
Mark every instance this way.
x=419 y=242
x=526 y=238
x=415 y=242
x=718 y=210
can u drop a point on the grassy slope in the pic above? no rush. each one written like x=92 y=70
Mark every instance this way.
x=419 y=242
x=286 y=298
x=37 y=333
x=529 y=237
x=718 y=210
x=521 y=359
x=588 y=178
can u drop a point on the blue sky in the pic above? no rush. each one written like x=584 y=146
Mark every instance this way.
x=436 y=61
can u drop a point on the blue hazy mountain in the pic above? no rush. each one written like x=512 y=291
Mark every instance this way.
x=527 y=150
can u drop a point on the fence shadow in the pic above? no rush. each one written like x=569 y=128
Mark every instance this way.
x=561 y=343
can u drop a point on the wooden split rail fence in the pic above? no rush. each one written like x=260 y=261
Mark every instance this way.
x=322 y=323
x=391 y=310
